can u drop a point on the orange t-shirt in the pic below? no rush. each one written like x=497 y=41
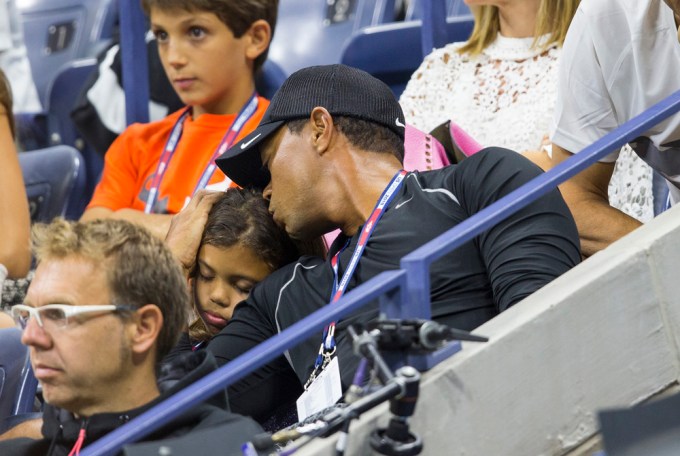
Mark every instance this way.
x=132 y=160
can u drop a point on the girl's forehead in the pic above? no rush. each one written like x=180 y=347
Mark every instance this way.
x=237 y=260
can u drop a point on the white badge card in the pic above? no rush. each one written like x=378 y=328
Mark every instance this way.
x=325 y=390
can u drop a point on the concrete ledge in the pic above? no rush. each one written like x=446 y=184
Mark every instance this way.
x=606 y=334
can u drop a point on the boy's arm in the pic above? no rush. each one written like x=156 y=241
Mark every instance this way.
x=158 y=224
x=598 y=223
x=114 y=195
x=29 y=429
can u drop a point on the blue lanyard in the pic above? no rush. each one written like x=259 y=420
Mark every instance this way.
x=243 y=116
x=339 y=288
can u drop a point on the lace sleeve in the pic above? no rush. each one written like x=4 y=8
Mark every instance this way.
x=504 y=96
x=419 y=99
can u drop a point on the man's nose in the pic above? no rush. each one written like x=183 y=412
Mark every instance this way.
x=35 y=336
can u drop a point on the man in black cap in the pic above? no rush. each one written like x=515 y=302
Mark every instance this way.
x=328 y=154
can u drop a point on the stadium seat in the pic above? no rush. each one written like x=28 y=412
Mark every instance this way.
x=660 y=193
x=269 y=79
x=17 y=383
x=312 y=32
x=62 y=94
x=52 y=177
x=392 y=52
x=454 y=8
x=59 y=31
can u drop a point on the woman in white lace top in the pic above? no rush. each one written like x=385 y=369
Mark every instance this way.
x=501 y=85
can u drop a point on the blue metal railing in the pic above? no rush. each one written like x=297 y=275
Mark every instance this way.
x=433 y=32
x=412 y=280
x=135 y=68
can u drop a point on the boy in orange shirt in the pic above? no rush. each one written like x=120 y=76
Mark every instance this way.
x=210 y=50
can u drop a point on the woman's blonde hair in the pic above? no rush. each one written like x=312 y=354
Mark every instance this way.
x=553 y=19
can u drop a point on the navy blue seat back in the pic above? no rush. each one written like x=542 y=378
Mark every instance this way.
x=61 y=97
x=392 y=52
x=52 y=176
x=13 y=360
x=454 y=8
x=59 y=31
x=269 y=79
x=660 y=192
x=313 y=32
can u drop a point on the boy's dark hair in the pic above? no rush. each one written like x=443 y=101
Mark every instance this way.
x=238 y=15
x=363 y=134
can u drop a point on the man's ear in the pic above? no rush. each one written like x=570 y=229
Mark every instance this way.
x=259 y=36
x=146 y=325
x=322 y=129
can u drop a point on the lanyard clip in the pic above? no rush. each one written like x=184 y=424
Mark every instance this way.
x=327 y=357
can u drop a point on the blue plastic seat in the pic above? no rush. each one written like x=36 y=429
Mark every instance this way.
x=61 y=97
x=59 y=31
x=269 y=79
x=660 y=193
x=454 y=8
x=17 y=383
x=313 y=32
x=52 y=177
x=392 y=52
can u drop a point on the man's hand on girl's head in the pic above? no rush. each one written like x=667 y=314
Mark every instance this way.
x=186 y=228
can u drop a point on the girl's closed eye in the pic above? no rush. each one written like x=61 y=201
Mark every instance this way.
x=205 y=276
x=244 y=286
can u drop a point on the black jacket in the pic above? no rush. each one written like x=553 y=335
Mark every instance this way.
x=60 y=428
x=468 y=286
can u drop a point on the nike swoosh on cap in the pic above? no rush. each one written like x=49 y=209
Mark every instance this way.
x=398 y=123
x=246 y=144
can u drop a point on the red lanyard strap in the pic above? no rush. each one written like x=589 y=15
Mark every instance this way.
x=243 y=116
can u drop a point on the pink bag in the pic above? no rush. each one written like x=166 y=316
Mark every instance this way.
x=463 y=141
x=423 y=152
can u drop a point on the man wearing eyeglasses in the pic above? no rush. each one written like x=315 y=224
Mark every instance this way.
x=107 y=302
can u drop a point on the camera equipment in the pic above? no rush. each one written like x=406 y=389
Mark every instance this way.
x=400 y=387
x=416 y=335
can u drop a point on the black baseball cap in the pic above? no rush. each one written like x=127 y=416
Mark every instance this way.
x=342 y=90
